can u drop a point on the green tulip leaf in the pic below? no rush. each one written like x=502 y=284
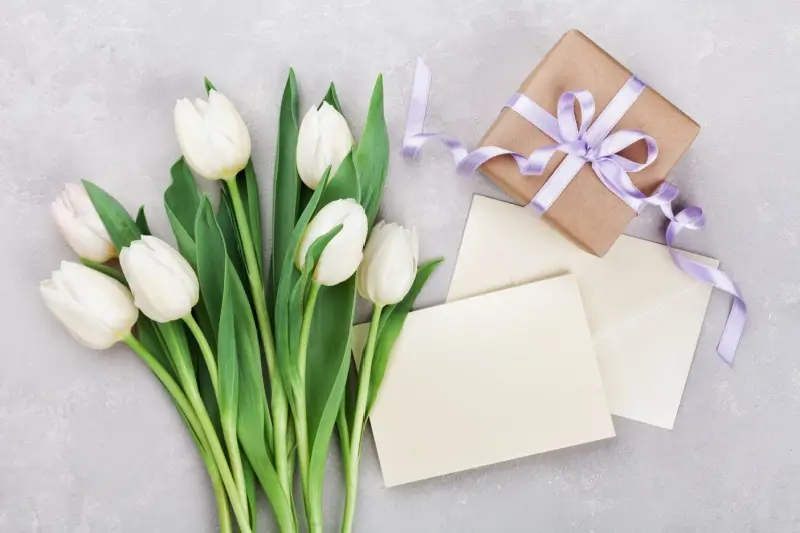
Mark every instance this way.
x=344 y=184
x=254 y=424
x=120 y=226
x=286 y=187
x=141 y=222
x=332 y=98
x=185 y=241
x=390 y=326
x=211 y=261
x=230 y=233
x=213 y=264
x=204 y=320
x=325 y=420
x=268 y=479
x=372 y=155
x=250 y=489
x=183 y=196
x=238 y=336
x=228 y=368
x=328 y=347
x=206 y=386
x=181 y=202
x=242 y=393
x=227 y=357
x=346 y=415
x=208 y=85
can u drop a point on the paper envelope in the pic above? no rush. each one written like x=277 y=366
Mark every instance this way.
x=645 y=314
x=488 y=379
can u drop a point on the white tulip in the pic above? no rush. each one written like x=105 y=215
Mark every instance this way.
x=323 y=141
x=343 y=254
x=390 y=264
x=97 y=310
x=213 y=136
x=80 y=224
x=164 y=286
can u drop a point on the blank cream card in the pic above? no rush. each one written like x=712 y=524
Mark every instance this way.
x=489 y=379
x=644 y=313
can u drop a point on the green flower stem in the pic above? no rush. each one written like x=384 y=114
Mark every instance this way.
x=230 y=435
x=279 y=401
x=187 y=377
x=174 y=389
x=205 y=349
x=305 y=329
x=229 y=429
x=360 y=418
x=223 y=509
x=344 y=433
x=313 y=509
x=292 y=447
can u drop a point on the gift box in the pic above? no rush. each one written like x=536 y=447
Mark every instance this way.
x=587 y=211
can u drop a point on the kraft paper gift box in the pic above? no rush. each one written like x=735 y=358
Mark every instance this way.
x=586 y=212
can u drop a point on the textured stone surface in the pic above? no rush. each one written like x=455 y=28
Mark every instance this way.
x=88 y=441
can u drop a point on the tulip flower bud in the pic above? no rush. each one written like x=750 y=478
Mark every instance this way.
x=80 y=224
x=213 y=136
x=164 y=286
x=390 y=264
x=323 y=141
x=97 y=310
x=343 y=254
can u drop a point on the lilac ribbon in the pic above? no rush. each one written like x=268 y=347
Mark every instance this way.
x=584 y=142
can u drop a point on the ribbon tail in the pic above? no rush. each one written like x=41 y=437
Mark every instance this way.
x=467 y=163
x=414 y=137
x=417 y=109
x=692 y=218
x=733 y=331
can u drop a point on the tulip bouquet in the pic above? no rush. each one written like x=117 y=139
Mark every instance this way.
x=254 y=351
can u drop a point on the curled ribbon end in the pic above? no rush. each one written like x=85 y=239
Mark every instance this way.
x=734 y=327
x=726 y=355
x=422 y=68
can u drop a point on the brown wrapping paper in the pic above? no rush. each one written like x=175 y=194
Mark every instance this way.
x=587 y=212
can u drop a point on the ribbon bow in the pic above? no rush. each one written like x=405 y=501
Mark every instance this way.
x=585 y=142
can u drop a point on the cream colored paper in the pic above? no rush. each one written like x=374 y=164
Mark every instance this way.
x=645 y=314
x=488 y=379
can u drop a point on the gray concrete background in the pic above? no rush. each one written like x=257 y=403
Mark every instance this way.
x=88 y=441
